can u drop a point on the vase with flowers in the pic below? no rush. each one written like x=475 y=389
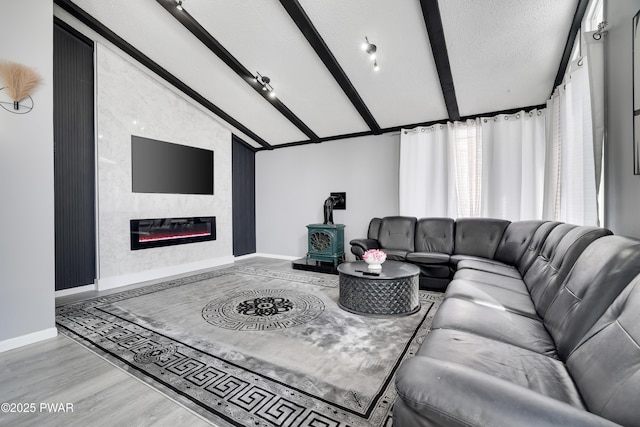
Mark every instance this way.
x=375 y=258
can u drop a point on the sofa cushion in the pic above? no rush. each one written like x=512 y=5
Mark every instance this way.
x=515 y=241
x=397 y=232
x=552 y=264
x=517 y=365
x=494 y=296
x=535 y=246
x=435 y=392
x=478 y=236
x=551 y=272
x=506 y=282
x=428 y=258
x=494 y=322
x=434 y=235
x=456 y=259
x=489 y=266
x=603 y=270
x=606 y=365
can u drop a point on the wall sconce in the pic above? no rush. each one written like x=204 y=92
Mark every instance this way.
x=371 y=50
x=265 y=81
x=20 y=82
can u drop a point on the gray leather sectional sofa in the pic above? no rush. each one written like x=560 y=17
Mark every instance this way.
x=437 y=245
x=546 y=336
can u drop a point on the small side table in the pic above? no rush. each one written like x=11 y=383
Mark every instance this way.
x=326 y=242
x=394 y=292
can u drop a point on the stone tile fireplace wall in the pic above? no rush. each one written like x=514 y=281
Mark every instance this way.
x=131 y=102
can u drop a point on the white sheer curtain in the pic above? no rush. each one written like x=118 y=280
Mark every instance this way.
x=595 y=55
x=490 y=167
x=570 y=178
x=468 y=149
x=427 y=172
x=513 y=157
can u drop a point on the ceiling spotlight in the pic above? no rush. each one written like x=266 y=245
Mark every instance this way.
x=265 y=81
x=179 y=5
x=371 y=50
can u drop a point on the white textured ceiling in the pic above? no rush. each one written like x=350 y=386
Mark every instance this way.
x=406 y=89
x=512 y=58
x=503 y=54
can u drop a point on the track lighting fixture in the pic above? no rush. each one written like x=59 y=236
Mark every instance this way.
x=265 y=81
x=371 y=50
x=179 y=4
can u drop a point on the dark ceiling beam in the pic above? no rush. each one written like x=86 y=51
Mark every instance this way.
x=120 y=43
x=301 y=19
x=571 y=39
x=412 y=125
x=214 y=46
x=433 y=22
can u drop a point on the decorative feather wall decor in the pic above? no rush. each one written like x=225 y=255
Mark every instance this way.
x=19 y=81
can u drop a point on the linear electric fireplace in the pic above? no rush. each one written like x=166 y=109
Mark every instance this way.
x=153 y=233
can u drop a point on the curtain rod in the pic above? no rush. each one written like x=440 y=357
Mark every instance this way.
x=473 y=121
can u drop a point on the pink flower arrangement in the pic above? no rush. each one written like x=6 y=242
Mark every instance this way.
x=375 y=256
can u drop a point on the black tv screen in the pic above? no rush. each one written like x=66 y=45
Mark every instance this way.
x=164 y=167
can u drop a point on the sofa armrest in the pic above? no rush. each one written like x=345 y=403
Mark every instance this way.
x=360 y=246
x=436 y=392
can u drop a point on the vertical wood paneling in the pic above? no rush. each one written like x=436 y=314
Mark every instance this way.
x=244 y=198
x=74 y=158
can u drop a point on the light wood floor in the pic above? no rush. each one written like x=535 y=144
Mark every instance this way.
x=60 y=371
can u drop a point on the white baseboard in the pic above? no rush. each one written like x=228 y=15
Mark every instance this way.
x=287 y=257
x=76 y=290
x=247 y=256
x=160 y=273
x=27 y=339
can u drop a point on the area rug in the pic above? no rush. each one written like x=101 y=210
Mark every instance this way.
x=244 y=346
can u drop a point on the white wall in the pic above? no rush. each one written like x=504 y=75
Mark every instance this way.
x=26 y=182
x=622 y=196
x=293 y=183
x=130 y=102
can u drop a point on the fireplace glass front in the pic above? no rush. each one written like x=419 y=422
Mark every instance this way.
x=153 y=233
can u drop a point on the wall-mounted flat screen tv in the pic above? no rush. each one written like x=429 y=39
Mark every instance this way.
x=164 y=167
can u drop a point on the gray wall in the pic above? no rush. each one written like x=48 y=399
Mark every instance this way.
x=292 y=184
x=622 y=196
x=26 y=181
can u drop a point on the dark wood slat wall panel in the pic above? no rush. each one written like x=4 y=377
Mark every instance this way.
x=74 y=159
x=244 y=198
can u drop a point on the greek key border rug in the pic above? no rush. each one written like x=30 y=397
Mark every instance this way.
x=266 y=357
